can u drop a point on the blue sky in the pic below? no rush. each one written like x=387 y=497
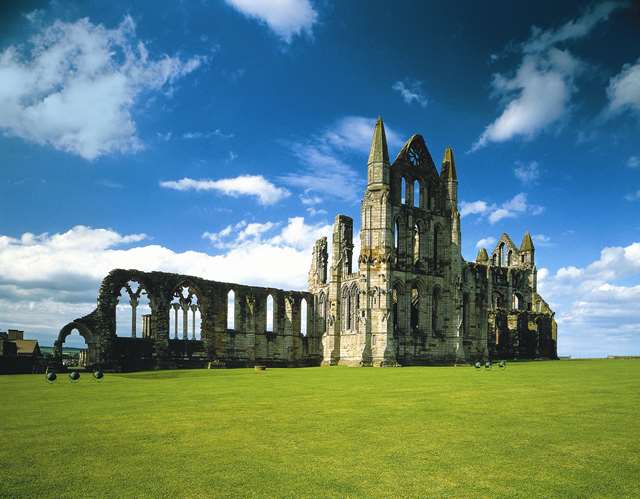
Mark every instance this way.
x=221 y=138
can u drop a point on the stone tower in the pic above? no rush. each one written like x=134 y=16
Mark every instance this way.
x=413 y=299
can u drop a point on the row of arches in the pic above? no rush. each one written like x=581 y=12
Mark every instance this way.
x=415 y=194
x=133 y=312
x=517 y=301
x=422 y=314
x=418 y=246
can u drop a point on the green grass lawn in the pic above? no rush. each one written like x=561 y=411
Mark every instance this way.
x=537 y=429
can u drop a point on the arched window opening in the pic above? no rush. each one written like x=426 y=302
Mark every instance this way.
x=416 y=243
x=436 y=237
x=394 y=309
x=355 y=307
x=435 y=304
x=416 y=194
x=501 y=255
x=493 y=260
x=403 y=192
x=74 y=350
x=231 y=309
x=465 y=315
x=303 y=317
x=396 y=236
x=270 y=314
x=498 y=300
x=415 y=308
x=185 y=315
x=133 y=304
x=509 y=258
x=346 y=299
x=518 y=302
x=322 y=310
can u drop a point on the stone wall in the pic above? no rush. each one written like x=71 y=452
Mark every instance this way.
x=247 y=343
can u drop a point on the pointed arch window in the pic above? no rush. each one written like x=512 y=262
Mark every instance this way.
x=396 y=236
x=231 y=309
x=269 y=311
x=416 y=243
x=416 y=194
x=394 y=308
x=403 y=191
x=415 y=308
x=303 y=317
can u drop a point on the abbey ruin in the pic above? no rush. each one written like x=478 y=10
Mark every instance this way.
x=411 y=300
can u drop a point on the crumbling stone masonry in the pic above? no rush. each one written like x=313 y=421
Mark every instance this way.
x=412 y=300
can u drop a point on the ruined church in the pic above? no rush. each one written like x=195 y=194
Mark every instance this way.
x=410 y=299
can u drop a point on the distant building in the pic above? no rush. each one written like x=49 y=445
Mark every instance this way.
x=18 y=355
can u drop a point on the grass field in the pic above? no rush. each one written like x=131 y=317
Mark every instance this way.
x=538 y=429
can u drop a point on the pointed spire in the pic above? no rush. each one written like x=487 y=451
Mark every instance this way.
x=449 y=165
x=483 y=256
x=527 y=242
x=379 y=152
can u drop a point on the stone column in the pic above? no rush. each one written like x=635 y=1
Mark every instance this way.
x=175 y=307
x=193 y=324
x=134 y=305
x=185 y=321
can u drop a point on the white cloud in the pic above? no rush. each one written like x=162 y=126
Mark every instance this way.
x=541 y=40
x=624 y=89
x=77 y=87
x=486 y=242
x=596 y=315
x=354 y=133
x=325 y=158
x=48 y=280
x=633 y=162
x=207 y=135
x=511 y=208
x=244 y=185
x=539 y=93
x=473 y=208
x=537 y=96
x=286 y=18
x=542 y=240
x=527 y=173
x=411 y=91
x=633 y=196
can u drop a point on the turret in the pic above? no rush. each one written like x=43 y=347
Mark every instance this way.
x=449 y=176
x=527 y=251
x=378 y=164
x=342 y=250
x=482 y=257
x=318 y=271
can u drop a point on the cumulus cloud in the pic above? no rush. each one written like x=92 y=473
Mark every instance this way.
x=286 y=18
x=624 y=89
x=596 y=313
x=527 y=173
x=77 y=86
x=537 y=96
x=411 y=91
x=538 y=93
x=486 y=242
x=47 y=280
x=633 y=162
x=244 y=185
x=511 y=208
x=326 y=158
